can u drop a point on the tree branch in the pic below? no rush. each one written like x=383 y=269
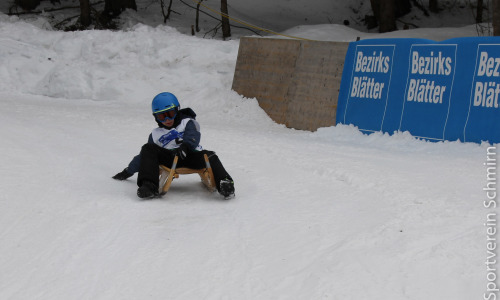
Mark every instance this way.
x=241 y=27
x=49 y=10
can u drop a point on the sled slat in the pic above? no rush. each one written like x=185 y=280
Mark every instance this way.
x=168 y=174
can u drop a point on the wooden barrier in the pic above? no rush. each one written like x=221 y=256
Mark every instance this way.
x=296 y=82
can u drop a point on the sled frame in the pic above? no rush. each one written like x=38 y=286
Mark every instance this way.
x=167 y=175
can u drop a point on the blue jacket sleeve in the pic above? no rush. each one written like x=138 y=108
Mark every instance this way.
x=133 y=166
x=192 y=135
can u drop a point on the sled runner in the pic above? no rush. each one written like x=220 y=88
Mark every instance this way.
x=168 y=174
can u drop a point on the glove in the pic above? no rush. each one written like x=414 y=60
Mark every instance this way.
x=182 y=151
x=122 y=175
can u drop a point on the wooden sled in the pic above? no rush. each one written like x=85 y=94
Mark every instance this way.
x=168 y=174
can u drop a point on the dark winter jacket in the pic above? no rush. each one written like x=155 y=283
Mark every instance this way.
x=189 y=135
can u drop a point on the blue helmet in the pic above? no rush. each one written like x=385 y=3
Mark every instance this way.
x=165 y=107
x=164 y=102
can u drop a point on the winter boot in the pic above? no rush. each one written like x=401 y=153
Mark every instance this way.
x=147 y=190
x=227 y=187
x=123 y=175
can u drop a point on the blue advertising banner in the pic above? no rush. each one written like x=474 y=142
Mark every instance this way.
x=435 y=90
x=483 y=104
x=371 y=78
x=427 y=95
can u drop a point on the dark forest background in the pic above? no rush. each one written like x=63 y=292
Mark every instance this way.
x=101 y=14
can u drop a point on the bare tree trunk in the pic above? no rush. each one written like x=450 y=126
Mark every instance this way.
x=479 y=14
x=385 y=13
x=387 y=19
x=226 y=28
x=85 y=13
x=376 y=8
x=198 y=16
x=129 y=4
x=113 y=8
x=496 y=17
x=433 y=6
x=169 y=9
x=28 y=4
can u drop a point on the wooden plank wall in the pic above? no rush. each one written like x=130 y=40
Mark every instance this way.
x=296 y=82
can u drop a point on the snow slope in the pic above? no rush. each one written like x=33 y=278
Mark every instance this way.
x=333 y=214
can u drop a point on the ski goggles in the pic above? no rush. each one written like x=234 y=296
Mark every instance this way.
x=166 y=115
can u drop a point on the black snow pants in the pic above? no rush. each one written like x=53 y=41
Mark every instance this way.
x=152 y=156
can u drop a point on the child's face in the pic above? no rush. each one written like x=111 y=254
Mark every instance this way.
x=168 y=123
